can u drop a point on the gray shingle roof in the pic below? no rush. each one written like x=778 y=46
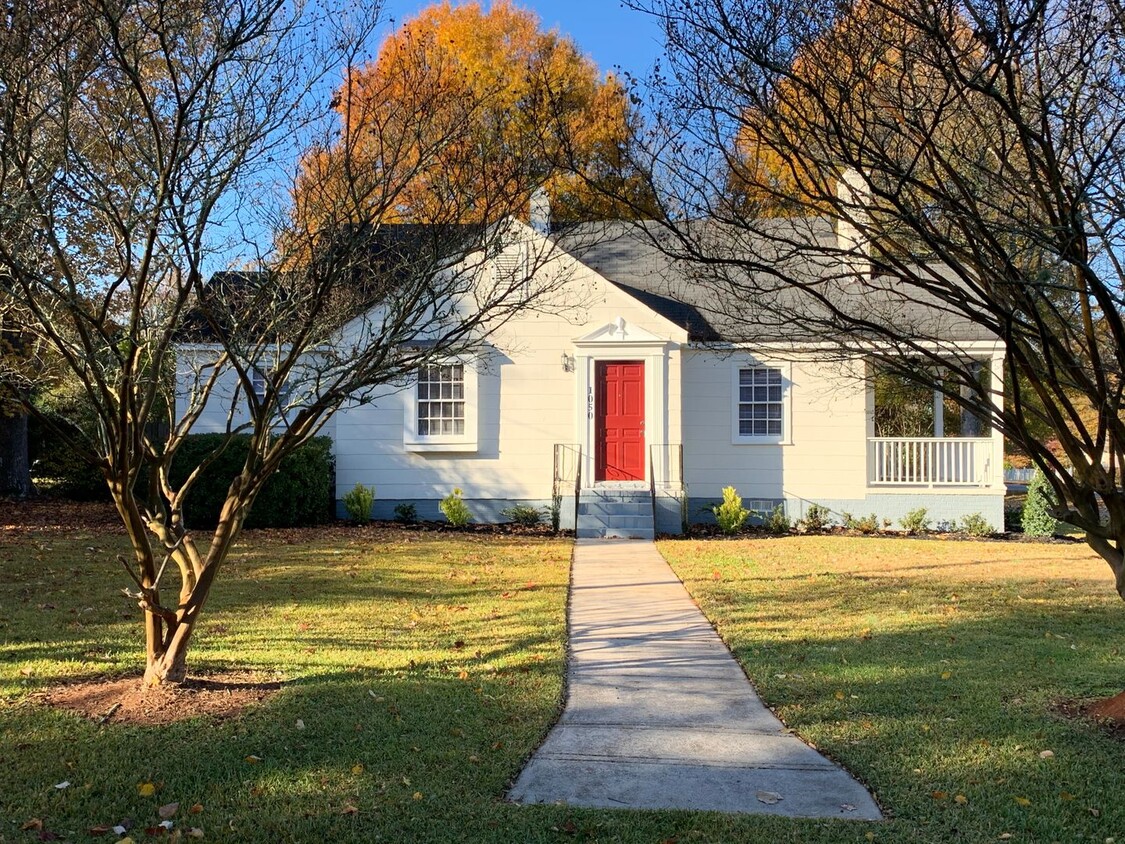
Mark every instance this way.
x=734 y=299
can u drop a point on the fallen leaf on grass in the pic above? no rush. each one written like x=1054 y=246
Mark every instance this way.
x=34 y=823
x=945 y=675
x=349 y=809
x=1047 y=754
x=938 y=795
x=168 y=810
x=357 y=769
x=194 y=832
x=61 y=785
x=417 y=795
x=768 y=797
x=300 y=724
x=961 y=799
x=146 y=789
x=839 y=695
x=847 y=807
x=1065 y=795
x=99 y=830
x=1023 y=801
x=253 y=760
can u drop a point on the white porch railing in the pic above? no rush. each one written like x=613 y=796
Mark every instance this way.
x=929 y=461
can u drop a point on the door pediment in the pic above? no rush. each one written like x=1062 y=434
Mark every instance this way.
x=620 y=331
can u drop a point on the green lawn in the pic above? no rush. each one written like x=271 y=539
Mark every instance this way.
x=931 y=670
x=425 y=667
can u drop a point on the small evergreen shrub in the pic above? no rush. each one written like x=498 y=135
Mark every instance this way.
x=863 y=524
x=523 y=514
x=298 y=493
x=406 y=514
x=455 y=510
x=730 y=515
x=1013 y=518
x=915 y=522
x=777 y=521
x=1037 y=519
x=817 y=518
x=359 y=502
x=976 y=525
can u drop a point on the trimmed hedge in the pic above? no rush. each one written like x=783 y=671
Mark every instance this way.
x=298 y=493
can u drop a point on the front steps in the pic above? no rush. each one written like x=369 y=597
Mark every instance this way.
x=615 y=512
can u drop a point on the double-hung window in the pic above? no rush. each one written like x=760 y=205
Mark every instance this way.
x=441 y=408
x=760 y=406
x=441 y=400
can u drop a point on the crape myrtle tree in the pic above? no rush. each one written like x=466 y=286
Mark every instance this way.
x=855 y=160
x=139 y=143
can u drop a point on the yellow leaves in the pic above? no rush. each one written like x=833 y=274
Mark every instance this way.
x=960 y=799
x=146 y=789
x=1022 y=801
x=839 y=695
x=945 y=675
x=357 y=769
x=417 y=795
x=252 y=759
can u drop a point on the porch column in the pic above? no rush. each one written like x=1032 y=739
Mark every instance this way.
x=996 y=385
x=939 y=411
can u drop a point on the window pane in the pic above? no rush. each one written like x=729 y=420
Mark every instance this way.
x=761 y=395
x=423 y=427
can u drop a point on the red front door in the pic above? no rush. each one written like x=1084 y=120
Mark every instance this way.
x=620 y=430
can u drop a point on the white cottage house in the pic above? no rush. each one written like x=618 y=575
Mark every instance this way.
x=629 y=411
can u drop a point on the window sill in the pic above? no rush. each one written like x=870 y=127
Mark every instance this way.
x=464 y=446
x=760 y=441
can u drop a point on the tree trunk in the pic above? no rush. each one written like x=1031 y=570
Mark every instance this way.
x=15 y=470
x=171 y=666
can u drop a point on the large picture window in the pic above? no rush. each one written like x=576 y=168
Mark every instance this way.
x=441 y=400
x=761 y=402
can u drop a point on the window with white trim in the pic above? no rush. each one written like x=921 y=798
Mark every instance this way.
x=441 y=408
x=441 y=400
x=760 y=404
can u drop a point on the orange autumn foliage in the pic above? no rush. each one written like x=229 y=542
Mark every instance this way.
x=873 y=68
x=461 y=116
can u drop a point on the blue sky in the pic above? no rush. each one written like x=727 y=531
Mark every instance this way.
x=609 y=33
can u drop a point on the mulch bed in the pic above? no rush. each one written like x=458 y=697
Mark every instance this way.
x=124 y=700
x=1108 y=713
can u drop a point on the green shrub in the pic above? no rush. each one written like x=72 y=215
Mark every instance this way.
x=523 y=514
x=976 y=525
x=298 y=493
x=864 y=524
x=359 y=502
x=1037 y=519
x=730 y=515
x=777 y=521
x=1013 y=518
x=915 y=522
x=56 y=469
x=817 y=518
x=455 y=510
x=406 y=514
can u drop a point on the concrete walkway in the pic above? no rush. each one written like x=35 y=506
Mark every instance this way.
x=660 y=716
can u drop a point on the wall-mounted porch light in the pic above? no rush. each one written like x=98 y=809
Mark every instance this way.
x=567 y=362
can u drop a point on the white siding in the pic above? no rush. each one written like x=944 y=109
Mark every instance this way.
x=826 y=457
x=523 y=383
